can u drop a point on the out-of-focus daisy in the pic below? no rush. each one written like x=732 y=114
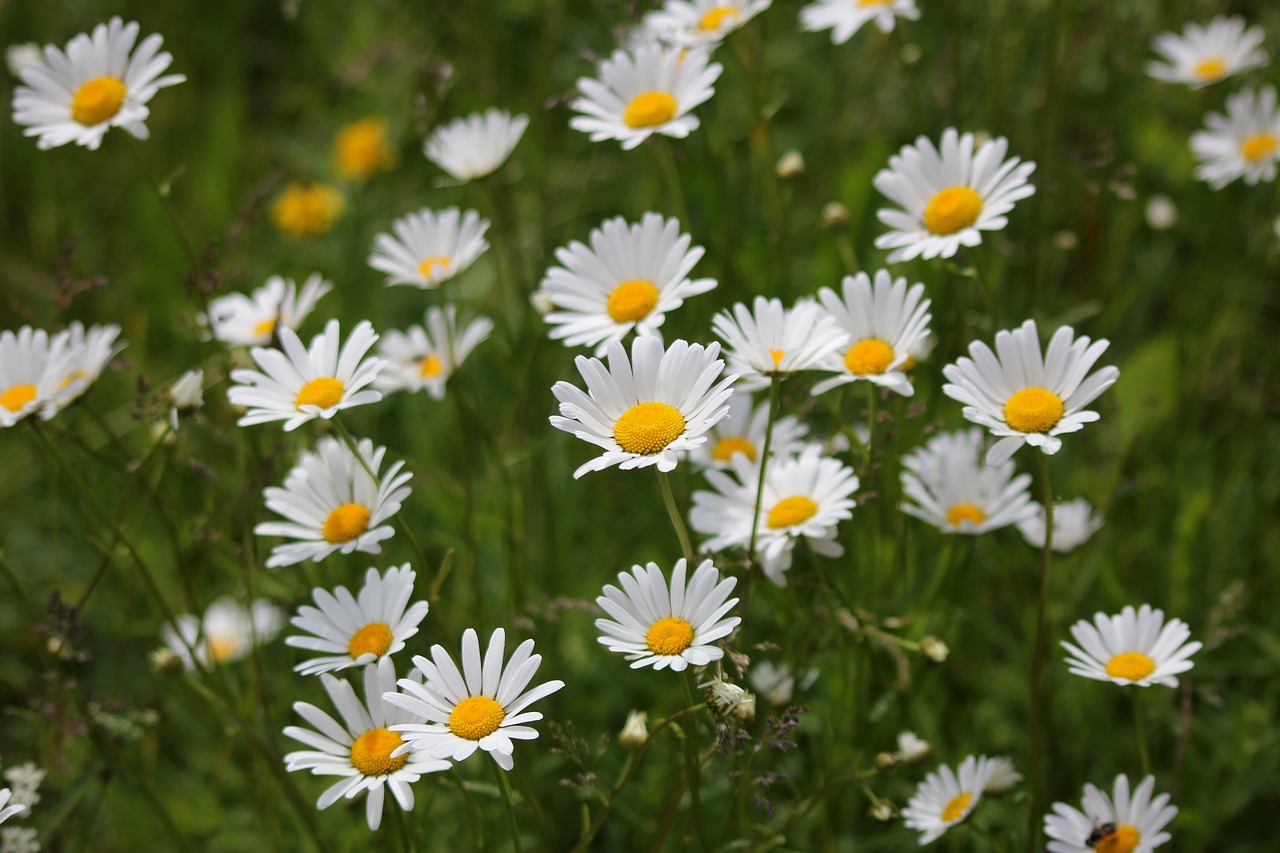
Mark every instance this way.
x=885 y=325
x=1073 y=523
x=250 y=320
x=19 y=57
x=628 y=279
x=100 y=82
x=767 y=340
x=1133 y=647
x=305 y=209
x=1025 y=398
x=1245 y=143
x=424 y=358
x=362 y=149
x=332 y=504
x=297 y=384
x=665 y=626
x=944 y=798
x=777 y=682
x=1003 y=776
x=650 y=90
x=7 y=811
x=95 y=347
x=644 y=410
x=911 y=748
x=430 y=247
x=226 y=633
x=360 y=748
x=186 y=395
x=701 y=23
x=481 y=707
x=846 y=17
x=358 y=630
x=475 y=146
x=946 y=484
x=1206 y=54
x=33 y=375
x=743 y=431
x=1121 y=823
x=949 y=195
x=1161 y=212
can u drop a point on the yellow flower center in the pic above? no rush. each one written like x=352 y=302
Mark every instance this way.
x=361 y=148
x=777 y=356
x=1258 y=146
x=222 y=649
x=1210 y=69
x=715 y=19
x=1033 y=410
x=306 y=209
x=726 y=447
x=71 y=377
x=345 y=523
x=18 y=396
x=874 y=2
x=649 y=109
x=868 y=357
x=371 y=753
x=266 y=327
x=647 y=428
x=373 y=638
x=323 y=392
x=1133 y=666
x=965 y=512
x=430 y=367
x=427 y=268
x=956 y=806
x=97 y=100
x=954 y=209
x=790 y=511
x=632 y=300
x=476 y=717
x=1124 y=840
x=669 y=636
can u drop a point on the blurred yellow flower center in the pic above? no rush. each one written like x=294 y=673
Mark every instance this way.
x=427 y=268
x=956 y=806
x=323 y=392
x=1134 y=666
x=1124 y=840
x=374 y=638
x=647 y=428
x=715 y=19
x=1260 y=145
x=345 y=523
x=649 y=109
x=793 y=510
x=430 y=367
x=361 y=148
x=266 y=327
x=371 y=753
x=476 y=717
x=18 y=396
x=1033 y=410
x=669 y=636
x=222 y=649
x=632 y=300
x=874 y=2
x=726 y=447
x=777 y=356
x=954 y=209
x=1210 y=69
x=868 y=357
x=306 y=209
x=965 y=512
x=97 y=100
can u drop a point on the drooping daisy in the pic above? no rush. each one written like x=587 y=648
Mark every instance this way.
x=475 y=146
x=1133 y=647
x=944 y=799
x=846 y=17
x=1073 y=523
x=226 y=633
x=425 y=358
x=360 y=748
x=430 y=247
x=481 y=707
x=7 y=811
x=95 y=347
x=1024 y=398
x=1203 y=55
x=743 y=431
x=33 y=374
x=947 y=484
x=768 y=340
x=358 y=630
x=361 y=149
x=1245 y=143
x=885 y=325
x=332 y=504
x=241 y=320
x=1117 y=824
x=647 y=409
x=297 y=384
x=650 y=90
x=949 y=195
x=100 y=82
x=305 y=209
x=701 y=23
x=629 y=278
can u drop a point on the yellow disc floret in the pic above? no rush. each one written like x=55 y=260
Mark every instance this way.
x=427 y=269
x=715 y=18
x=1033 y=410
x=954 y=209
x=632 y=301
x=1133 y=666
x=97 y=100
x=1259 y=146
x=1210 y=69
x=650 y=109
x=430 y=367
x=965 y=512
x=956 y=806
x=669 y=636
x=726 y=447
x=18 y=396
x=266 y=327
x=374 y=638
x=371 y=753
x=323 y=392
x=345 y=523
x=791 y=511
x=647 y=428
x=1124 y=840
x=476 y=717
x=869 y=357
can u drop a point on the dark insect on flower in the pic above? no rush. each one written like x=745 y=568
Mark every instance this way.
x=1099 y=833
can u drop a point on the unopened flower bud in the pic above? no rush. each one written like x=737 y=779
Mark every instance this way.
x=834 y=216
x=745 y=711
x=934 y=649
x=791 y=165
x=883 y=810
x=723 y=697
x=1162 y=213
x=165 y=662
x=886 y=761
x=635 y=731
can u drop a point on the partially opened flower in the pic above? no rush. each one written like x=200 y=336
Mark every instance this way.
x=430 y=247
x=1203 y=55
x=846 y=17
x=1244 y=143
x=424 y=358
x=1073 y=523
x=475 y=146
x=33 y=374
x=767 y=340
x=944 y=798
x=227 y=632
x=361 y=149
x=743 y=432
x=947 y=484
x=1131 y=648
x=701 y=23
x=248 y=320
x=94 y=347
x=1120 y=823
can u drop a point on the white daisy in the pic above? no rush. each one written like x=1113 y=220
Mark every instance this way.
x=1203 y=55
x=701 y=23
x=332 y=504
x=475 y=146
x=650 y=90
x=226 y=633
x=481 y=707
x=743 y=432
x=95 y=348
x=1003 y=776
x=1245 y=143
x=359 y=630
x=361 y=747
x=942 y=800
x=885 y=325
x=429 y=247
x=1024 y=398
x=947 y=484
x=628 y=279
x=912 y=748
x=298 y=385
x=425 y=358
x=646 y=410
x=846 y=17
x=7 y=811
x=241 y=320
x=1131 y=648
x=767 y=339
x=1117 y=824
x=33 y=375
x=1073 y=523
x=949 y=195
x=186 y=395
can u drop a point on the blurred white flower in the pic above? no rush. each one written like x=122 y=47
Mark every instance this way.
x=226 y=633
x=21 y=56
x=1073 y=523
x=1203 y=55
x=475 y=146
x=1162 y=213
x=635 y=731
x=911 y=748
x=1003 y=776
x=1244 y=143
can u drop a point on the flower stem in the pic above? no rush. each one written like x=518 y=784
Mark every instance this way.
x=1140 y=729
x=507 y=799
x=692 y=766
x=162 y=194
x=402 y=828
x=1037 y=660
x=775 y=387
x=676 y=521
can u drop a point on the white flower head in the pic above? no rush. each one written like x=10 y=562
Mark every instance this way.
x=1120 y=823
x=743 y=432
x=945 y=798
x=430 y=247
x=34 y=375
x=911 y=748
x=701 y=23
x=252 y=320
x=635 y=731
x=1073 y=523
x=226 y=633
x=425 y=357
x=947 y=484
x=1131 y=648
x=775 y=682
x=767 y=340
x=94 y=347
x=1244 y=143
x=475 y=146
x=187 y=393
x=19 y=57
x=1003 y=776
x=7 y=809
x=846 y=17
x=1203 y=55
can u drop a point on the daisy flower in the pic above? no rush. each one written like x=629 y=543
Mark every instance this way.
x=646 y=410
x=768 y=340
x=358 y=630
x=701 y=23
x=7 y=811
x=1131 y=648
x=33 y=374
x=481 y=707
x=1024 y=398
x=1245 y=143
x=846 y=17
x=628 y=280
x=949 y=195
x=226 y=633
x=361 y=748
x=885 y=324
x=298 y=385
x=947 y=485
x=1003 y=776
x=912 y=748
x=743 y=432
x=1073 y=523
x=425 y=358
x=475 y=146
x=305 y=209
x=665 y=626
x=241 y=320
x=650 y=90
x=944 y=799
x=1117 y=824
x=362 y=149
x=95 y=348
x=1203 y=55
x=100 y=82
x=429 y=248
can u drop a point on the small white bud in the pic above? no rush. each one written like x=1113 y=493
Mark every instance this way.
x=1162 y=213
x=635 y=730
x=791 y=165
x=934 y=649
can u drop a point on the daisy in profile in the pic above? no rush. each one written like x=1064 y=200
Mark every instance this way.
x=885 y=324
x=767 y=340
x=640 y=93
x=945 y=798
x=7 y=811
x=1024 y=398
x=665 y=626
x=480 y=707
x=360 y=748
x=701 y=23
x=33 y=374
x=1003 y=776
x=429 y=248
x=742 y=432
x=1203 y=55
x=425 y=358
x=297 y=385
x=252 y=320
x=100 y=82
x=362 y=149
x=946 y=484
x=358 y=630
x=628 y=280
x=305 y=209
x=475 y=146
x=645 y=410
x=227 y=632
x=1134 y=647
x=95 y=347
x=846 y=17
x=948 y=195
x=332 y=504
x=1073 y=523
x=1245 y=143
x=1120 y=823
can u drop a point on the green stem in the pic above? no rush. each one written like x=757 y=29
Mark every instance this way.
x=667 y=158
x=1140 y=729
x=693 y=767
x=162 y=195
x=775 y=387
x=676 y=521
x=509 y=801
x=873 y=398
x=1037 y=660
x=402 y=828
